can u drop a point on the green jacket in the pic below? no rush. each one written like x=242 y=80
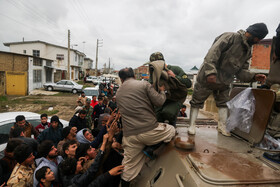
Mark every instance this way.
x=228 y=56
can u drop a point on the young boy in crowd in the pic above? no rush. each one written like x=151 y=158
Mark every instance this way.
x=44 y=123
x=45 y=176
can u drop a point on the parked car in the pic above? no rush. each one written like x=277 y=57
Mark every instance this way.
x=90 y=78
x=64 y=85
x=90 y=91
x=7 y=120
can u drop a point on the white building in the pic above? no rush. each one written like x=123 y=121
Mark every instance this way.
x=87 y=66
x=56 y=53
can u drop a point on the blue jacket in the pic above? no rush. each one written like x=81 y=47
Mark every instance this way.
x=52 y=134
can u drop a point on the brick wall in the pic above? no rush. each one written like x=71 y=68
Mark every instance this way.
x=261 y=55
x=13 y=62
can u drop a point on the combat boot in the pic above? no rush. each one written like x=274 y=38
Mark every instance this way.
x=193 y=116
x=223 y=115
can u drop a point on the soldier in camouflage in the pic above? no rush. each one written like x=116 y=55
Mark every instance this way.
x=22 y=174
x=170 y=108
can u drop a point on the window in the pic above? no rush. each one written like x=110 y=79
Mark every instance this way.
x=61 y=82
x=36 y=53
x=24 y=51
x=69 y=83
x=37 y=62
x=49 y=63
x=75 y=57
x=37 y=76
x=59 y=56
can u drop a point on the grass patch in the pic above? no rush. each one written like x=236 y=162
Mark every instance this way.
x=190 y=92
x=3 y=98
x=80 y=82
x=49 y=113
x=39 y=102
x=63 y=94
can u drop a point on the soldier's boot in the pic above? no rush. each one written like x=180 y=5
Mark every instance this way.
x=223 y=115
x=193 y=116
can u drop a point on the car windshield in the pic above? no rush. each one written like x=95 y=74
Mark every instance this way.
x=91 y=92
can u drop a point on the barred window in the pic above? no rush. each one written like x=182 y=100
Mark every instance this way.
x=49 y=63
x=37 y=76
x=59 y=56
x=36 y=53
x=37 y=62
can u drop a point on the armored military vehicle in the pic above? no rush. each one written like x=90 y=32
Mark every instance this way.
x=215 y=160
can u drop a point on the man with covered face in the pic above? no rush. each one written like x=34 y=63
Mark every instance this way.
x=227 y=57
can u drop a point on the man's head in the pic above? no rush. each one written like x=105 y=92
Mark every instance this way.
x=85 y=150
x=44 y=174
x=44 y=118
x=156 y=56
x=256 y=32
x=94 y=97
x=23 y=155
x=88 y=101
x=100 y=99
x=71 y=166
x=69 y=133
x=47 y=149
x=126 y=73
x=82 y=114
x=114 y=98
x=12 y=144
x=87 y=134
x=184 y=107
x=55 y=121
x=17 y=132
x=20 y=120
x=83 y=94
x=69 y=149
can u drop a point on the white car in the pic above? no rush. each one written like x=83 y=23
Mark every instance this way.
x=90 y=91
x=64 y=85
x=90 y=78
x=7 y=120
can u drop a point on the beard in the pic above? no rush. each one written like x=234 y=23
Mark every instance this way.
x=52 y=156
x=251 y=41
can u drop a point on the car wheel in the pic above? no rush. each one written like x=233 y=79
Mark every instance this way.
x=74 y=91
x=50 y=88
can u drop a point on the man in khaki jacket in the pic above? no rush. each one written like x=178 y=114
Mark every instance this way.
x=227 y=57
x=136 y=101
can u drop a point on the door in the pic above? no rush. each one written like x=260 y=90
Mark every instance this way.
x=68 y=86
x=16 y=83
x=60 y=85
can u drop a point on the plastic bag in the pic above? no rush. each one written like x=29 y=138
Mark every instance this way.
x=269 y=143
x=241 y=110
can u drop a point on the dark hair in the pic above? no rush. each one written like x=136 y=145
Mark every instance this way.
x=84 y=131
x=81 y=151
x=20 y=118
x=43 y=115
x=16 y=132
x=66 y=145
x=12 y=144
x=82 y=92
x=184 y=106
x=126 y=73
x=44 y=148
x=68 y=166
x=82 y=112
x=22 y=152
x=100 y=98
x=93 y=96
x=41 y=173
x=55 y=118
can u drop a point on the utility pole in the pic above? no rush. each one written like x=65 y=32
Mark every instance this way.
x=98 y=44
x=109 y=67
x=68 y=66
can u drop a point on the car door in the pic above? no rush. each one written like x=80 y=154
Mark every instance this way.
x=60 y=85
x=68 y=86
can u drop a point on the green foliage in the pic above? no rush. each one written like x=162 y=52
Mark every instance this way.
x=3 y=98
x=39 y=102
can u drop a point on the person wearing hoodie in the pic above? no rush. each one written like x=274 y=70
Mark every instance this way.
x=47 y=156
x=85 y=136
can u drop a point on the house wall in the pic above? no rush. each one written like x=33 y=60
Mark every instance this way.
x=13 y=62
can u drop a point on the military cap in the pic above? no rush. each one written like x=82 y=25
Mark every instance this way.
x=156 y=56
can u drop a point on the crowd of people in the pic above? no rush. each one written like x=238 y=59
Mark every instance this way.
x=108 y=140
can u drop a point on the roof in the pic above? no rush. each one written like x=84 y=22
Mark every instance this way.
x=194 y=68
x=39 y=41
x=25 y=55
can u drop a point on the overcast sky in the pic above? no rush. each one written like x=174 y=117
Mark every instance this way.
x=183 y=30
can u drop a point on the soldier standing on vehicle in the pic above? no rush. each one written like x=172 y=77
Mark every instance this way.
x=227 y=57
x=136 y=100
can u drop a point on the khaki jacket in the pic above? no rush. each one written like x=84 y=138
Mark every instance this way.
x=21 y=176
x=228 y=56
x=136 y=101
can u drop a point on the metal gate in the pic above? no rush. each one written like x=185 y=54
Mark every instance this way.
x=16 y=83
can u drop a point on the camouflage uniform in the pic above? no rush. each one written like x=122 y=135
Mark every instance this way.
x=88 y=116
x=170 y=109
x=22 y=176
